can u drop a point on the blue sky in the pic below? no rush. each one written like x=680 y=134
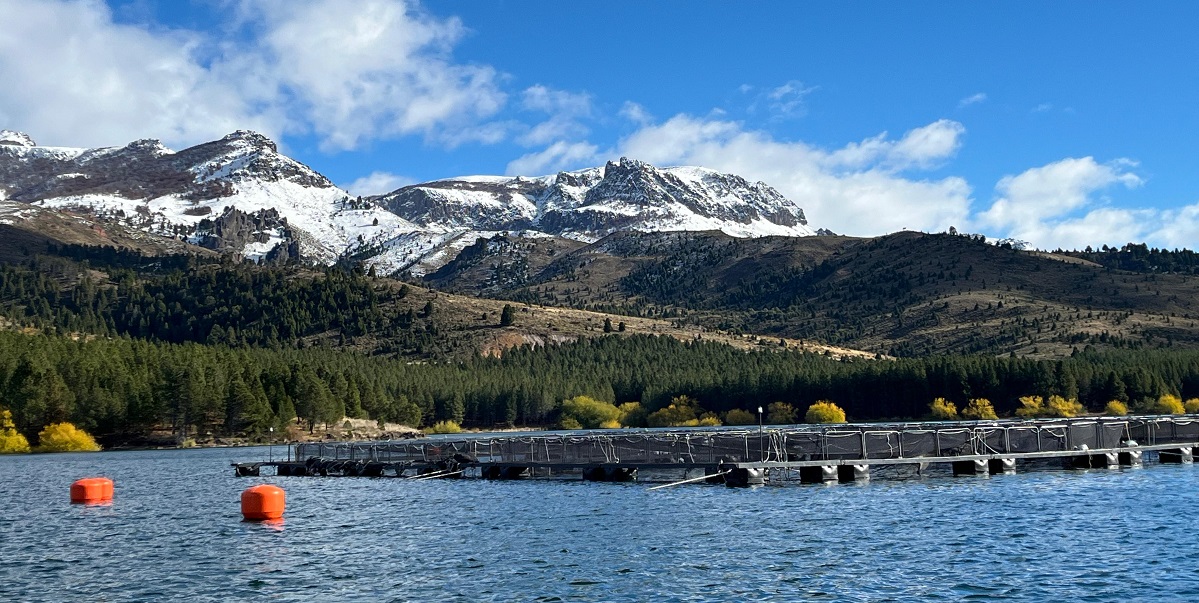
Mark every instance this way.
x=1064 y=124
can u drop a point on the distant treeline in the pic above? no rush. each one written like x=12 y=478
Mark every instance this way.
x=122 y=385
x=1140 y=257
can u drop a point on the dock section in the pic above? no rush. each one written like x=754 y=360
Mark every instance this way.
x=747 y=456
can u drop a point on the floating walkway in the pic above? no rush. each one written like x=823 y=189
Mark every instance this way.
x=740 y=456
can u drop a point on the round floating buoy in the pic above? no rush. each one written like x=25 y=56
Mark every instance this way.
x=262 y=502
x=91 y=490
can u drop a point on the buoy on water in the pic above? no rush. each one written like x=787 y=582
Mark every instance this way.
x=91 y=490
x=263 y=502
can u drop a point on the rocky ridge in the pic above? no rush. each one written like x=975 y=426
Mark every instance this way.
x=240 y=195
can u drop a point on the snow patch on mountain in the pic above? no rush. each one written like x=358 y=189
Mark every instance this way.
x=592 y=203
x=20 y=139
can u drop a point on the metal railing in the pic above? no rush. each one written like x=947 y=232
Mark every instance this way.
x=794 y=443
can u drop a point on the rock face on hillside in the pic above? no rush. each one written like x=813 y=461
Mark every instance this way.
x=589 y=204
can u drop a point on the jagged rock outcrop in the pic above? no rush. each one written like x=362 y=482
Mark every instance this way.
x=589 y=204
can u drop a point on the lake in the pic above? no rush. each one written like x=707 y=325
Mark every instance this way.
x=174 y=532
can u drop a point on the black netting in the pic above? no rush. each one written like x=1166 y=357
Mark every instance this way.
x=881 y=444
x=796 y=444
x=918 y=443
x=842 y=445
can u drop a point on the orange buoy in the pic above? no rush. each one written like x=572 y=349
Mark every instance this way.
x=91 y=490
x=262 y=502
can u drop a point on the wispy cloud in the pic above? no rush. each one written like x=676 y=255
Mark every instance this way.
x=378 y=183
x=783 y=102
x=789 y=100
x=973 y=99
x=635 y=113
x=558 y=156
x=565 y=111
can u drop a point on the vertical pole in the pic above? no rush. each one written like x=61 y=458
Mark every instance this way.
x=761 y=442
x=271 y=430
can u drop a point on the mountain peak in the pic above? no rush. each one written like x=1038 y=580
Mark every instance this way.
x=16 y=139
x=252 y=138
x=588 y=204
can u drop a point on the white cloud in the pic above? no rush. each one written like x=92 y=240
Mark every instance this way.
x=973 y=99
x=73 y=77
x=565 y=110
x=1178 y=228
x=924 y=147
x=558 y=156
x=348 y=72
x=1037 y=204
x=858 y=189
x=377 y=183
x=1043 y=107
x=636 y=113
x=1166 y=228
x=371 y=68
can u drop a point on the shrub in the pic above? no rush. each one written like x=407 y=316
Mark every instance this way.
x=65 y=437
x=1031 y=406
x=589 y=412
x=943 y=410
x=1061 y=407
x=740 y=417
x=1169 y=404
x=709 y=420
x=672 y=416
x=570 y=423
x=610 y=425
x=680 y=413
x=979 y=409
x=824 y=412
x=780 y=413
x=445 y=427
x=1191 y=406
x=11 y=440
x=1115 y=408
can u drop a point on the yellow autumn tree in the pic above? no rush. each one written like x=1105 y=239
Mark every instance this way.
x=683 y=411
x=444 y=427
x=1031 y=406
x=1191 y=406
x=1115 y=408
x=1169 y=404
x=979 y=409
x=824 y=412
x=65 y=437
x=591 y=413
x=11 y=440
x=1061 y=407
x=943 y=410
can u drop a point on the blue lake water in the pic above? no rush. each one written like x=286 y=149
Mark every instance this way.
x=174 y=532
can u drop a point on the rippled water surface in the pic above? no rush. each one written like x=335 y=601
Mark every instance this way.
x=174 y=532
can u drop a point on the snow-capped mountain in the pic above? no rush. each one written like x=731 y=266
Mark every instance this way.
x=240 y=195
x=589 y=204
x=197 y=192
